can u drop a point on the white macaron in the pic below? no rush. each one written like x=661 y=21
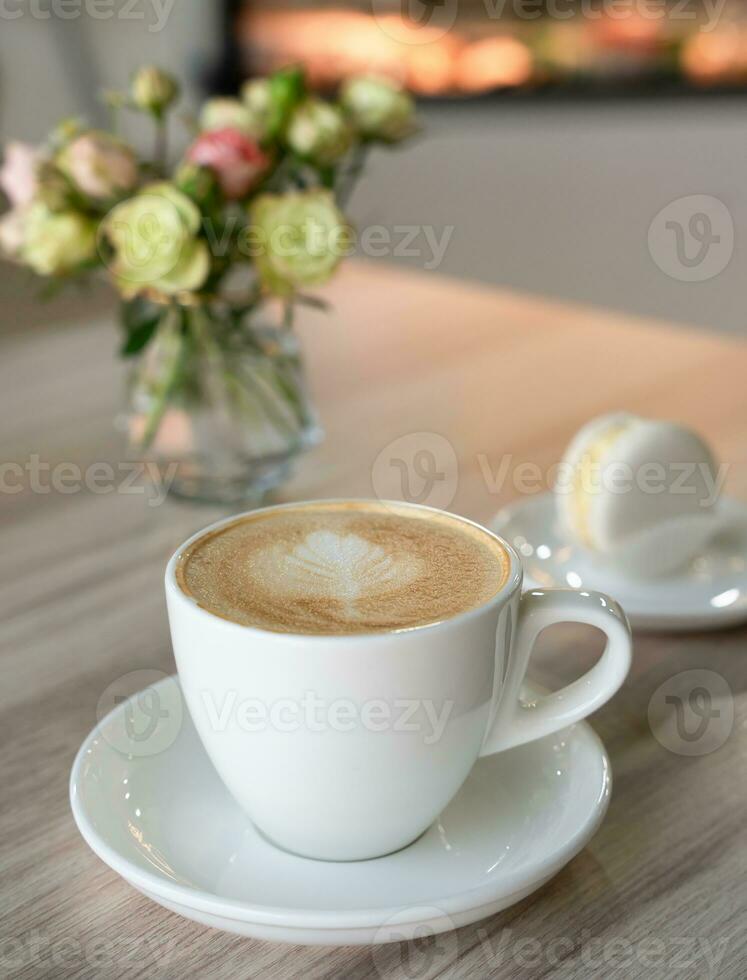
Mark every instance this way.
x=639 y=492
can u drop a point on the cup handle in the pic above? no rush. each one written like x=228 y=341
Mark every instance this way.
x=517 y=722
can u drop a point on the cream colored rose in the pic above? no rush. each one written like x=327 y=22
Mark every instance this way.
x=319 y=131
x=228 y=114
x=56 y=242
x=378 y=108
x=155 y=240
x=298 y=239
x=99 y=165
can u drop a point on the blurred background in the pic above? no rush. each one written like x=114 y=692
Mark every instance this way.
x=555 y=131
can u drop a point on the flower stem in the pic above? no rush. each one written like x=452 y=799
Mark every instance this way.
x=167 y=387
x=349 y=178
x=161 y=152
x=288 y=314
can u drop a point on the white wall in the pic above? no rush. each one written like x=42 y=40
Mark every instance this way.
x=558 y=198
x=51 y=68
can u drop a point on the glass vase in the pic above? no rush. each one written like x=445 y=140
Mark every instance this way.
x=220 y=403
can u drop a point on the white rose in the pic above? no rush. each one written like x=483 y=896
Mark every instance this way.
x=378 y=108
x=319 y=131
x=227 y=114
x=56 y=242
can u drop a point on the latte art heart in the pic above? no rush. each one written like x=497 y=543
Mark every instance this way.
x=343 y=567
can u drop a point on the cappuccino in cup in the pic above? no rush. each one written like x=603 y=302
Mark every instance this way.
x=317 y=642
x=343 y=568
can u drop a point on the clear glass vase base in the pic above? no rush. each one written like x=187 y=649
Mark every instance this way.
x=193 y=481
x=221 y=407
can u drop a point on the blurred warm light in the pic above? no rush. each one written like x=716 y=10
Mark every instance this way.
x=334 y=43
x=713 y=57
x=430 y=69
x=632 y=33
x=331 y=43
x=493 y=63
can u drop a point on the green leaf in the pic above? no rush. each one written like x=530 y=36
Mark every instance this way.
x=327 y=175
x=140 y=319
x=139 y=337
x=287 y=89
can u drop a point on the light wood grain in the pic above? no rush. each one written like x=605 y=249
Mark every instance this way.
x=80 y=593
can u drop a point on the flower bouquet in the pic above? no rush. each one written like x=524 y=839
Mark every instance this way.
x=210 y=258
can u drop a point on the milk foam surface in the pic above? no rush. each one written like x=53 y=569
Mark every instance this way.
x=352 y=567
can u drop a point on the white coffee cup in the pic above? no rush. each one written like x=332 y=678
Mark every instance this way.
x=347 y=747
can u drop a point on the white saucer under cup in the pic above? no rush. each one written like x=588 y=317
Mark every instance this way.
x=164 y=821
x=709 y=592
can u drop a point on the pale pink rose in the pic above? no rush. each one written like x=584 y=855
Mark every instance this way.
x=12 y=232
x=18 y=174
x=237 y=161
x=99 y=165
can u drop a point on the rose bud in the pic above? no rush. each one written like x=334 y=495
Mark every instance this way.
x=154 y=90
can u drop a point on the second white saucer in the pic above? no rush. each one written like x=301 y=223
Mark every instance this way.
x=709 y=593
x=157 y=813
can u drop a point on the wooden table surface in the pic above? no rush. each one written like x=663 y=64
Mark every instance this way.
x=661 y=891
